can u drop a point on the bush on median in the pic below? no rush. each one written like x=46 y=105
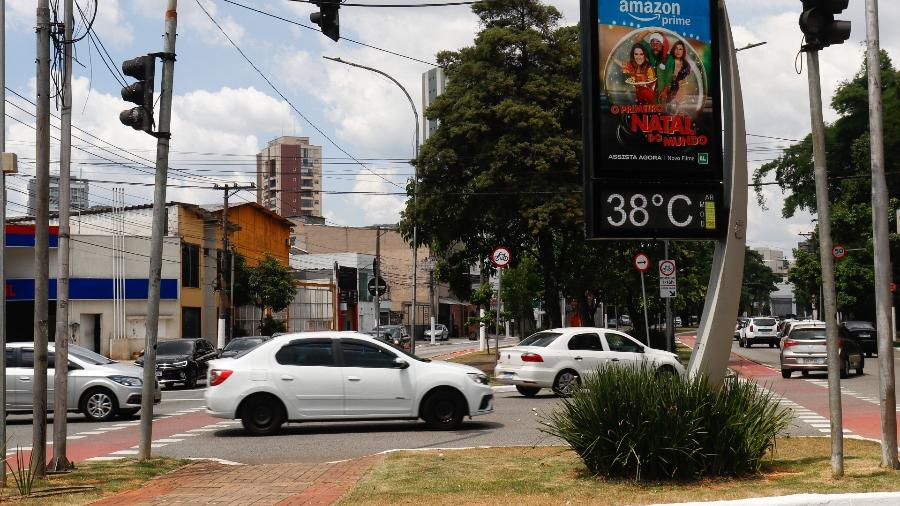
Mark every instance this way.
x=637 y=423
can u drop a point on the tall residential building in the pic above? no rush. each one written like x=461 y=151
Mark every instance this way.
x=78 y=195
x=289 y=177
x=433 y=84
x=774 y=259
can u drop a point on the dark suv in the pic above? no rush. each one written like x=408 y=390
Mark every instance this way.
x=863 y=333
x=182 y=360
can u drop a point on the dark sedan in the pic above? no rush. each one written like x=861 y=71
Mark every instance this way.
x=182 y=361
x=863 y=333
x=241 y=344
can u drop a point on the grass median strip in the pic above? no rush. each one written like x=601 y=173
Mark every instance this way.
x=555 y=475
x=91 y=481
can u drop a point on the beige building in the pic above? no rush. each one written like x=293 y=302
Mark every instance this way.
x=289 y=177
x=774 y=259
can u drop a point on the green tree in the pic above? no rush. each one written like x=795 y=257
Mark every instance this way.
x=759 y=282
x=503 y=167
x=849 y=190
x=522 y=285
x=270 y=285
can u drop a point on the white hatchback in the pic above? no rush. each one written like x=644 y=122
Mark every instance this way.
x=559 y=358
x=321 y=376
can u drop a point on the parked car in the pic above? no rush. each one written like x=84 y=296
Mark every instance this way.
x=395 y=335
x=677 y=321
x=804 y=350
x=98 y=387
x=759 y=330
x=182 y=360
x=559 y=358
x=624 y=320
x=611 y=323
x=742 y=322
x=241 y=344
x=440 y=332
x=318 y=376
x=863 y=333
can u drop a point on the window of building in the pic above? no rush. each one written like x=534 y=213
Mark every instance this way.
x=190 y=265
x=306 y=202
x=190 y=322
x=272 y=168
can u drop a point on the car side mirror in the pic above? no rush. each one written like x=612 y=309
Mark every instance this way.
x=399 y=363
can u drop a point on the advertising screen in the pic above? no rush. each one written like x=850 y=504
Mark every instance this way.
x=653 y=99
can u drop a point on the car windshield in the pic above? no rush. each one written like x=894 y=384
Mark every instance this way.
x=541 y=339
x=175 y=348
x=859 y=325
x=765 y=322
x=808 y=334
x=86 y=355
x=242 y=344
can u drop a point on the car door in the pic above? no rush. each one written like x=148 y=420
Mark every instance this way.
x=15 y=396
x=373 y=383
x=623 y=350
x=306 y=372
x=586 y=350
x=24 y=374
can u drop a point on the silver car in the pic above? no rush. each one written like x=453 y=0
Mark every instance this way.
x=804 y=350
x=440 y=332
x=98 y=387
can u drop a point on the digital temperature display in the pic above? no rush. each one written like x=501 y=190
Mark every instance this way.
x=657 y=212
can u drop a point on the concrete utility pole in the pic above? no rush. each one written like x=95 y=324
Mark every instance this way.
x=159 y=224
x=60 y=463
x=226 y=307
x=823 y=208
x=3 y=171
x=882 y=253
x=41 y=242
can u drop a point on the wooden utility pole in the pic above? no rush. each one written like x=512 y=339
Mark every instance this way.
x=60 y=463
x=159 y=226
x=41 y=242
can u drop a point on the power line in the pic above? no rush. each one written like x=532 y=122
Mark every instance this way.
x=392 y=6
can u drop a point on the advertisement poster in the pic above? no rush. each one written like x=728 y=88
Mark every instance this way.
x=657 y=90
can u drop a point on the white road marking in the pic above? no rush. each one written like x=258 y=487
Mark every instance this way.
x=168 y=440
x=125 y=452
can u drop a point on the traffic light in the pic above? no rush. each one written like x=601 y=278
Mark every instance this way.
x=141 y=68
x=327 y=18
x=819 y=26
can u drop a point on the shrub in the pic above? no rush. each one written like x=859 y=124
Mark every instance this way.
x=636 y=423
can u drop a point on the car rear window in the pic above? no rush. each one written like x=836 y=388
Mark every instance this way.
x=540 y=339
x=859 y=326
x=764 y=322
x=804 y=334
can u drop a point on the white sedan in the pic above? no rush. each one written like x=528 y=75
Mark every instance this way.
x=321 y=376
x=559 y=358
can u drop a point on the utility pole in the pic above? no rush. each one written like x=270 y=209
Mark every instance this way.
x=377 y=270
x=41 y=242
x=823 y=208
x=60 y=463
x=882 y=252
x=226 y=308
x=3 y=171
x=159 y=223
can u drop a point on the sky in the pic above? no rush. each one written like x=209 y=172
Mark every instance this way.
x=224 y=111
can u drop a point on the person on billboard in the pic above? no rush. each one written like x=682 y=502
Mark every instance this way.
x=677 y=69
x=640 y=74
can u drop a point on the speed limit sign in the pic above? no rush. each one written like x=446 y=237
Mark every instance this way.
x=839 y=251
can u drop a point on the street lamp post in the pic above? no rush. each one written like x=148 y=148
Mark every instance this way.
x=415 y=246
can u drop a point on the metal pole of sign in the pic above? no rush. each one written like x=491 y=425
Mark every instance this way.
x=497 y=335
x=646 y=321
x=713 y=347
x=823 y=207
x=670 y=331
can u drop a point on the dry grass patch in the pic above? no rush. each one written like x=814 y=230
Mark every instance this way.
x=480 y=360
x=108 y=478
x=555 y=475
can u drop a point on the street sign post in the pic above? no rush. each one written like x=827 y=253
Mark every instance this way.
x=667 y=282
x=500 y=258
x=838 y=251
x=642 y=264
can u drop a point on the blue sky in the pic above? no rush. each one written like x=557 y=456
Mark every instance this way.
x=224 y=111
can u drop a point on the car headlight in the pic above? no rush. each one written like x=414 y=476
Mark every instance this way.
x=478 y=377
x=183 y=363
x=128 y=381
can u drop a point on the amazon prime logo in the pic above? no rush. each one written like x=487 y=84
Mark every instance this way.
x=646 y=10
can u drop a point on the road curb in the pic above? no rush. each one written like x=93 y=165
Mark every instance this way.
x=867 y=499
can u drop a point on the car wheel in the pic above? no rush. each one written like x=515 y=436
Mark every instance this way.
x=740 y=342
x=528 y=391
x=862 y=364
x=262 y=416
x=128 y=413
x=190 y=378
x=845 y=367
x=566 y=382
x=786 y=373
x=99 y=405
x=443 y=410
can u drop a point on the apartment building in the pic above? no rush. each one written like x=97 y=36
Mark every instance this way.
x=289 y=177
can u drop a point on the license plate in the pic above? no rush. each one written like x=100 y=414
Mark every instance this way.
x=813 y=360
x=865 y=335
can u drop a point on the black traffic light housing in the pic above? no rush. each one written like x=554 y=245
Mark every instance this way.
x=819 y=26
x=143 y=69
x=327 y=18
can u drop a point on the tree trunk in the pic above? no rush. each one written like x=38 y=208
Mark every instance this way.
x=551 y=286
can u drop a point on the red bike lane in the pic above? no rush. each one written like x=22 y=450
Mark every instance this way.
x=861 y=417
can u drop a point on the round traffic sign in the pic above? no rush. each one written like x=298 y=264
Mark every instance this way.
x=642 y=262
x=667 y=267
x=380 y=288
x=838 y=251
x=501 y=257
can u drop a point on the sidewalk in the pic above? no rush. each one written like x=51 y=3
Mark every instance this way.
x=212 y=483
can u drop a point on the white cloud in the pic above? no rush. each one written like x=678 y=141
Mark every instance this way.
x=192 y=20
x=377 y=208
